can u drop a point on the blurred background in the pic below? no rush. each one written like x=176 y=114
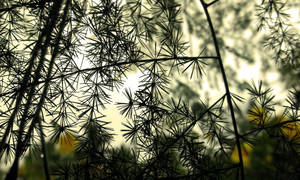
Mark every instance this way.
x=247 y=59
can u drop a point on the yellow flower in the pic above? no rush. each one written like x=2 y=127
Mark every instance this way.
x=291 y=130
x=246 y=150
x=257 y=115
x=67 y=143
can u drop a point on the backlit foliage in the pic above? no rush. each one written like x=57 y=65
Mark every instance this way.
x=60 y=60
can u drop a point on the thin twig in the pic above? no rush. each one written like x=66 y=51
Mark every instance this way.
x=281 y=124
x=211 y=3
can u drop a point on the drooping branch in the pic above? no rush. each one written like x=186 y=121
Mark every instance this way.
x=142 y=61
x=228 y=94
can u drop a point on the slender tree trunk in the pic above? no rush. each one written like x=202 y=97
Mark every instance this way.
x=13 y=172
x=44 y=151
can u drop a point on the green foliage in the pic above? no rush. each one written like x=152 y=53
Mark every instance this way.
x=60 y=61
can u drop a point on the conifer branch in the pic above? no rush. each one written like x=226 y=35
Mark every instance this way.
x=12 y=175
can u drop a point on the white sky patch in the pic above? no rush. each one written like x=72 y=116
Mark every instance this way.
x=272 y=76
x=248 y=72
x=113 y=113
x=247 y=33
x=229 y=60
x=229 y=42
x=294 y=16
x=278 y=92
x=132 y=81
